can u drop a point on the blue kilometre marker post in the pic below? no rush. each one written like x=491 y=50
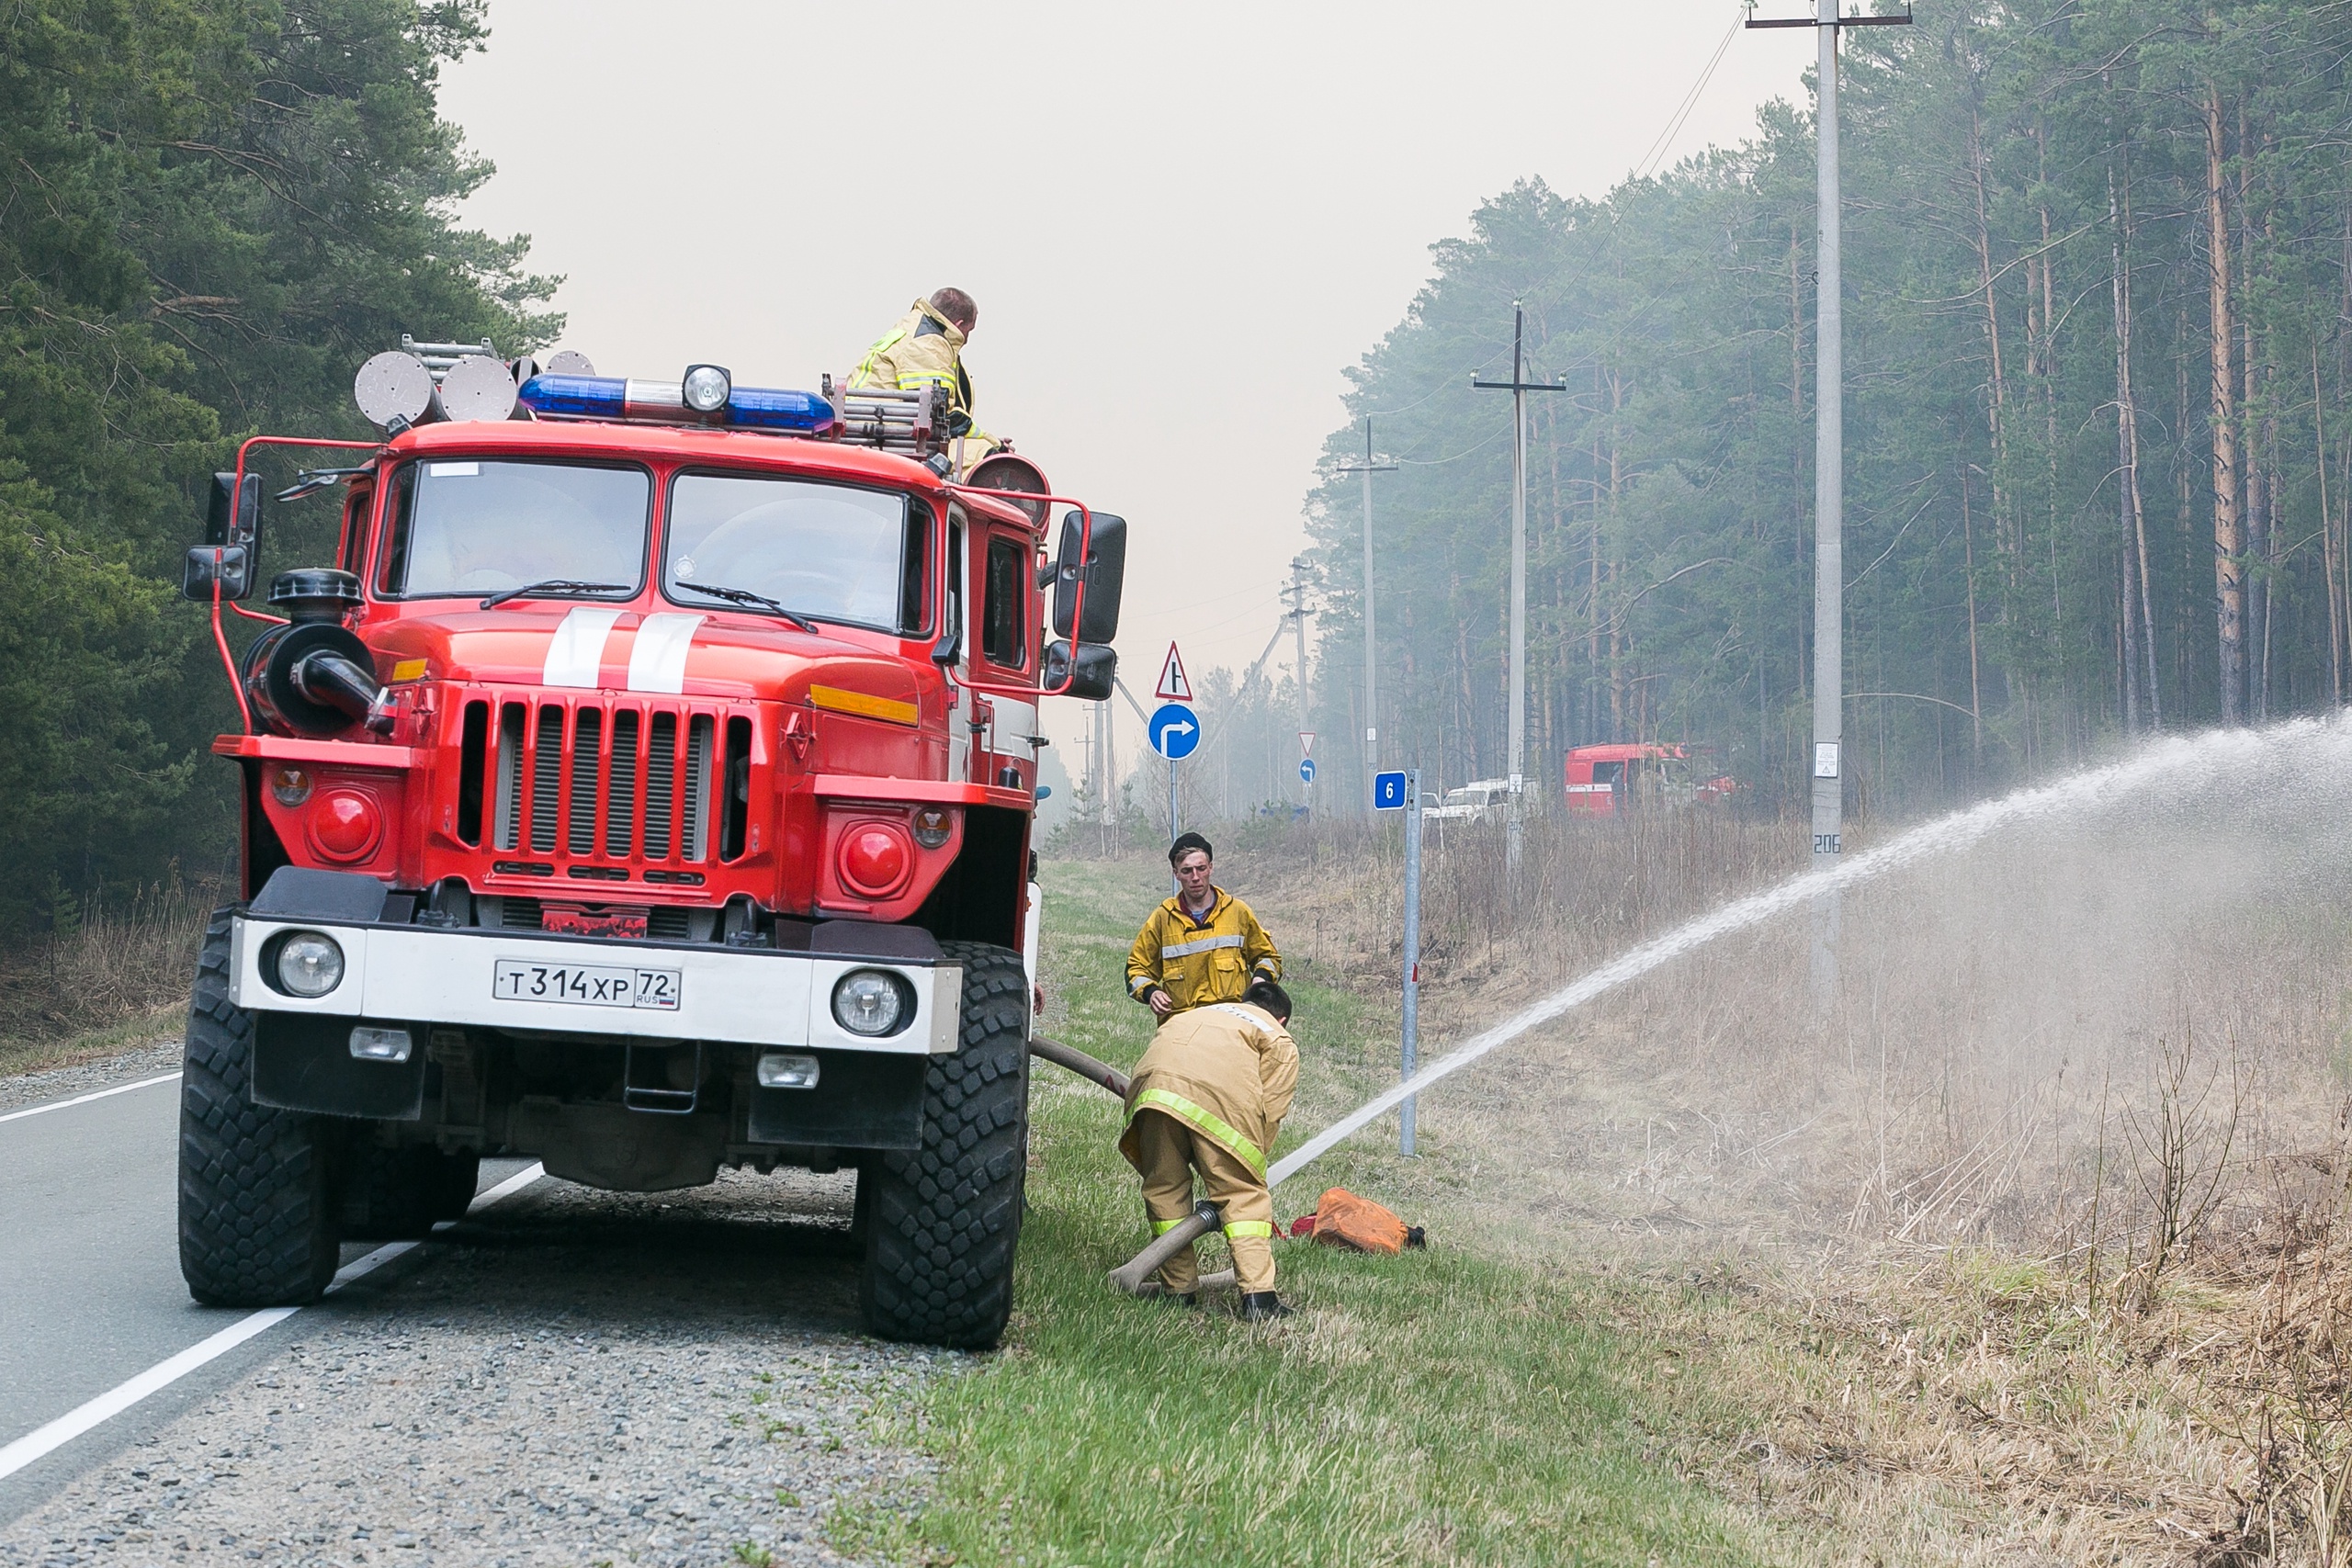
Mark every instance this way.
x=1402 y=792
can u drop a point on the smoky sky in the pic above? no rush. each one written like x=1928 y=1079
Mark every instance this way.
x=1182 y=224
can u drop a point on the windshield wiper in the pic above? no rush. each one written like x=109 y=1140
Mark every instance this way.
x=553 y=585
x=745 y=596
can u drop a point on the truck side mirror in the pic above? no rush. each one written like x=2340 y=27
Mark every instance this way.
x=232 y=523
x=1106 y=569
x=228 y=565
x=1090 y=674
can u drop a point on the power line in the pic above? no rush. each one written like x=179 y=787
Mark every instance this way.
x=1690 y=100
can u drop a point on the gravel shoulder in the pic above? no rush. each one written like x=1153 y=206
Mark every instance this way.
x=574 y=1378
x=142 y=1060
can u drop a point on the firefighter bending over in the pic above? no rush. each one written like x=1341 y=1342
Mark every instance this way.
x=926 y=349
x=1209 y=1097
x=1203 y=945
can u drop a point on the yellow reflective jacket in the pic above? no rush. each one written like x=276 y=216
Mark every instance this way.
x=1228 y=1071
x=925 y=349
x=1200 y=962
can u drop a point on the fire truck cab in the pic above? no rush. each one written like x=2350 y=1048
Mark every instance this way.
x=645 y=789
x=1612 y=779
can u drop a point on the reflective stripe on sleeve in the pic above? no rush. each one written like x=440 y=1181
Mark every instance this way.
x=1267 y=964
x=1137 y=983
x=1250 y=1228
x=1207 y=1121
x=1203 y=945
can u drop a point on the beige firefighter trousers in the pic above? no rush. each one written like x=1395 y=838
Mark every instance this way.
x=1172 y=1152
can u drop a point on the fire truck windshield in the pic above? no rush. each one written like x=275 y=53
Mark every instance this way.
x=478 y=527
x=833 y=552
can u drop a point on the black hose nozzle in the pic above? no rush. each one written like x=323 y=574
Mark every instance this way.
x=333 y=681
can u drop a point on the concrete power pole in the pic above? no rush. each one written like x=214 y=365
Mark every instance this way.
x=1828 y=495
x=1519 y=386
x=1370 y=671
x=1298 y=592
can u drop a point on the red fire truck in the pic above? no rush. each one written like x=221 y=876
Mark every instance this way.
x=646 y=789
x=1606 y=781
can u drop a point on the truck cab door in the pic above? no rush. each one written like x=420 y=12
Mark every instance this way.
x=955 y=621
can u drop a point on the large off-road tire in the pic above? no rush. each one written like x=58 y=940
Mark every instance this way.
x=256 y=1223
x=942 y=1222
x=398 y=1194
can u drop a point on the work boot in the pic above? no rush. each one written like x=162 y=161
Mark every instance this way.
x=1262 y=1306
x=1182 y=1298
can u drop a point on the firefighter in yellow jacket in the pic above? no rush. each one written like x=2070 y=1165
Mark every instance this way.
x=1208 y=1098
x=1202 y=946
x=926 y=348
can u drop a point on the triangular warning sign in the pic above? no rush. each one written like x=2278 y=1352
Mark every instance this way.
x=1306 y=743
x=1173 y=687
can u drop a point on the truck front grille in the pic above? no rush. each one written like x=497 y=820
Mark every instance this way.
x=620 y=788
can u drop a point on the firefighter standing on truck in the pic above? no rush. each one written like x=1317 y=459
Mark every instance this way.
x=926 y=348
x=1202 y=946
x=1209 y=1097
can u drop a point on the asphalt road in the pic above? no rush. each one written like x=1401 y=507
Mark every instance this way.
x=90 y=1287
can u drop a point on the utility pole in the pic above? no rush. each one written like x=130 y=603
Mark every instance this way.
x=1297 y=595
x=1519 y=386
x=1828 y=495
x=1371 y=675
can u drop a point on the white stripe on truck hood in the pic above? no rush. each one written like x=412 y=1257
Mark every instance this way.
x=578 y=646
x=658 y=663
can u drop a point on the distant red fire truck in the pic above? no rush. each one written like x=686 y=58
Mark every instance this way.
x=1605 y=781
x=644 y=789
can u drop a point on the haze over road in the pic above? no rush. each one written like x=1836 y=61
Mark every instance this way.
x=1182 y=228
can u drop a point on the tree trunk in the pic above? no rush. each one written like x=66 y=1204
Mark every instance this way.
x=2228 y=532
x=1975 y=671
x=2327 y=538
x=2127 y=427
x=1997 y=414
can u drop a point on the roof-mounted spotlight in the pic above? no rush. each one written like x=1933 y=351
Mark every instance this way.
x=704 y=389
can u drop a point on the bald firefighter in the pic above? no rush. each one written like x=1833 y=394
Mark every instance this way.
x=1207 y=1100
x=926 y=348
x=1203 y=945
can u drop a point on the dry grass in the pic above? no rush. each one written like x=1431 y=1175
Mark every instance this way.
x=116 y=976
x=2027 y=1245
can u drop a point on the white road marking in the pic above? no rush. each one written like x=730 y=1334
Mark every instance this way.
x=172 y=1076
x=657 y=660
x=44 y=1440
x=577 y=650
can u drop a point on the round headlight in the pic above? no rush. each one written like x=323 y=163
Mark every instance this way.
x=870 y=1002
x=706 y=387
x=310 y=964
x=933 y=824
x=291 y=786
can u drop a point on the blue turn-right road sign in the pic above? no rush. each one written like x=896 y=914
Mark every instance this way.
x=1388 y=792
x=1176 y=730
x=1306 y=770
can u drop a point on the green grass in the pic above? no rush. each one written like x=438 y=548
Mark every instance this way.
x=1434 y=1408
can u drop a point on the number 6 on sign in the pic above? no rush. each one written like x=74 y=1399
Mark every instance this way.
x=1388 y=792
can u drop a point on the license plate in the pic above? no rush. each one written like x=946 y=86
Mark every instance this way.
x=592 y=985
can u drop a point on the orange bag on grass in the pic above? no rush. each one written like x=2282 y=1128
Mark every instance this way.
x=1342 y=1219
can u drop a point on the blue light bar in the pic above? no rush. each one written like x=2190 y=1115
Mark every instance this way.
x=578 y=397
x=616 y=398
x=770 y=408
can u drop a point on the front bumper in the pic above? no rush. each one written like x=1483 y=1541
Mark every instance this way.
x=746 y=996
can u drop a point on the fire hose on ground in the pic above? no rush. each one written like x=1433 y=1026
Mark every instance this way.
x=1131 y=1277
